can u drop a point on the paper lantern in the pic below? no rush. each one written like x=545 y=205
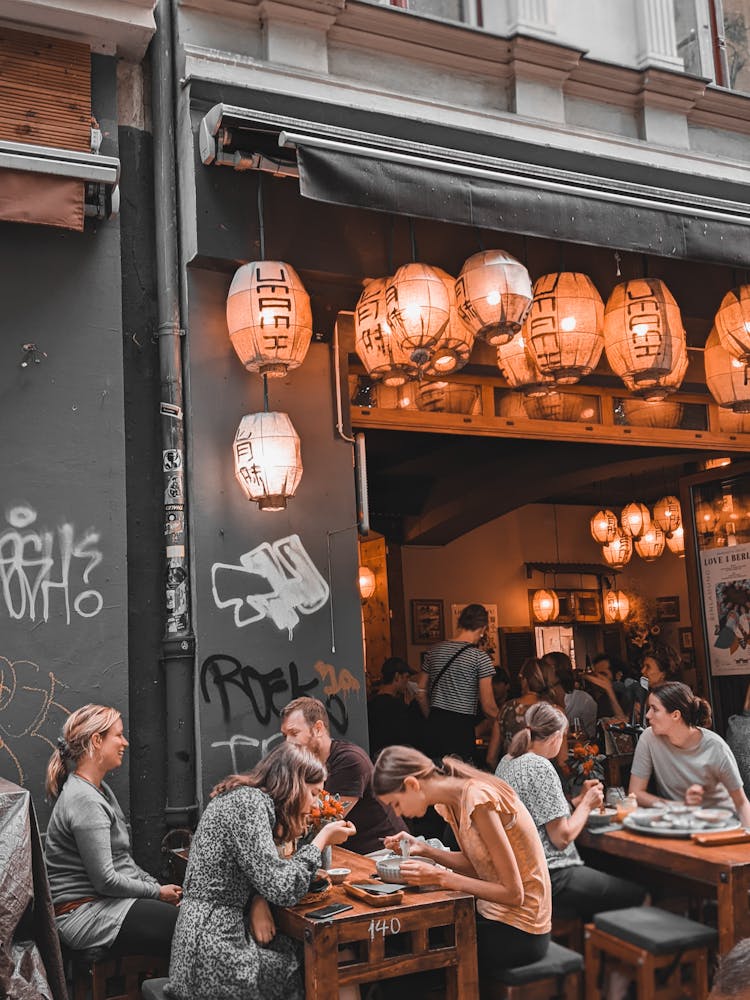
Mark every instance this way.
x=676 y=542
x=366 y=583
x=732 y=323
x=453 y=349
x=394 y=397
x=616 y=606
x=635 y=519
x=373 y=341
x=493 y=294
x=727 y=378
x=511 y=404
x=651 y=543
x=643 y=333
x=561 y=406
x=516 y=362
x=648 y=413
x=564 y=326
x=664 y=385
x=448 y=397
x=667 y=514
x=706 y=518
x=417 y=310
x=734 y=423
x=545 y=605
x=619 y=551
x=267 y=459
x=604 y=526
x=269 y=317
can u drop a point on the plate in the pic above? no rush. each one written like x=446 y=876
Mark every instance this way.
x=662 y=830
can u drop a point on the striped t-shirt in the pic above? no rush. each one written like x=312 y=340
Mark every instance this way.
x=458 y=688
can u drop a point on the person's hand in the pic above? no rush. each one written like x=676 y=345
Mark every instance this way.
x=694 y=795
x=394 y=842
x=593 y=796
x=262 y=925
x=337 y=832
x=415 y=872
x=599 y=681
x=228 y=784
x=170 y=894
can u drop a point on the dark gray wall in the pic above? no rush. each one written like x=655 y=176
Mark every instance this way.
x=248 y=672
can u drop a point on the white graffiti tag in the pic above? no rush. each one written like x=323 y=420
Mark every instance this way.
x=240 y=740
x=35 y=564
x=276 y=580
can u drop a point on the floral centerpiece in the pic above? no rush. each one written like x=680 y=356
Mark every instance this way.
x=326 y=810
x=585 y=762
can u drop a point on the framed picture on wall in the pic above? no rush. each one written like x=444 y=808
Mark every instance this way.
x=668 y=609
x=427 y=623
x=686 y=640
x=490 y=644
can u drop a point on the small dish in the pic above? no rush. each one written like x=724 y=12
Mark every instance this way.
x=338 y=875
x=661 y=824
x=714 y=817
x=389 y=869
x=601 y=817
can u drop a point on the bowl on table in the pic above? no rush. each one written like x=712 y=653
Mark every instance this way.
x=602 y=817
x=713 y=817
x=389 y=869
x=338 y=875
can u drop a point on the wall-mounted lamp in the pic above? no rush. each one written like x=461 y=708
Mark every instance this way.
x=366 y=583
x=267 y=459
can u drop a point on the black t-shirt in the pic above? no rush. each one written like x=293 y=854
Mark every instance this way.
x=350 y=773
x=389 y=723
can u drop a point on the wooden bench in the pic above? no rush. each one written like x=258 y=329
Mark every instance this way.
x=113 y=977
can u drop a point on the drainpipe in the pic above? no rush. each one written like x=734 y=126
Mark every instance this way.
x=178 y=642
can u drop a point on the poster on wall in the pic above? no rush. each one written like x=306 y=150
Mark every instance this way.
x=489 y=645
x=725 y=574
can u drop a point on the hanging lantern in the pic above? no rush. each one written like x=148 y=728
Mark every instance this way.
x=664 y=385
x=651 y=544
x=512 y=405
x=269 y=317
x=545 y=605
x=616 y=606
x=564 y=326
x=734 y=423
x=516 y=362
x=560 y=406
x=389 y=397
x=676 y=542
x=267 y=459
x=366 y=583
x=643 y=333
x=417 y=309
x=448 y=397
x=619 y=551
x=493 y=294
x=732 y=323
x=453 y=349
x=706 y=518
x=635 y=519
x=373 y=341
x=657 y=413
x=604 y=526
x=727 y=378
x=667 y=514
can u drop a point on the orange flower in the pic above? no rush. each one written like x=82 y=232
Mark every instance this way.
x=593 y=749
x=587 y=767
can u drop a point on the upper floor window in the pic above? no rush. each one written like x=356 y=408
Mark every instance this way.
x=713 y=38
x=467 y=11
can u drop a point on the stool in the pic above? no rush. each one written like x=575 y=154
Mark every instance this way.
x=557 y=975
x=658 y=945
x=111 y=977
x=153 y=989
x=568 y=931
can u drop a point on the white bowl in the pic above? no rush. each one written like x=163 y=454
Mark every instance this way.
x=601 y=818
x=714 y=817
x=389 y=869
x=338 y=875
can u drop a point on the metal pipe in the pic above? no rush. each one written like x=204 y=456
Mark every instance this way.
x=721 y=62
x=178 y=641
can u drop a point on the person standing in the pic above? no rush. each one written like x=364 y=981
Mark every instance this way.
x=388 y=717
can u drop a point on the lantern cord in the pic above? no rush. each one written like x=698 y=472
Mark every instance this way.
x=618 y=261
x=557 y=543
x=265 y=393
x=480 y=241
x=261 y=220
x=413 y=239
x=329 y=535
x=389 y=247
x=644 y=261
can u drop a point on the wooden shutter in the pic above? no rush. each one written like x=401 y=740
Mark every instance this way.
x=516 y=645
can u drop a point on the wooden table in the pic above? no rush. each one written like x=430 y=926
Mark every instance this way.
x=721 y=873
x=367 y=929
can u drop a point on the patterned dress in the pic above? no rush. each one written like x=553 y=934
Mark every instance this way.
x=234 y=857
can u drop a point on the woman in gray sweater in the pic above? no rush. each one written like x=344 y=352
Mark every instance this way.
x=102 y=898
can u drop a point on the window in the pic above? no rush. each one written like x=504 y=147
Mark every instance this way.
x=467 y=11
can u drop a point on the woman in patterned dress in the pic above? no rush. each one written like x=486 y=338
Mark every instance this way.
x=236 y=868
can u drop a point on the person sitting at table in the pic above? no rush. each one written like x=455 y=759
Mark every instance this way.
x=500 y=859
x=738 y=739
x=488 y=730
x=612 y=700
x=690 y=763
x=389 y=721
x=102 y=898
x=539 y=682
x=579 y=705
x=732 y=978
x=236 y=865
x=577 y=890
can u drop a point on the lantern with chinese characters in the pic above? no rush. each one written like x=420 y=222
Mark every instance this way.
x=667 y=514
x=448 y=397
x=493 y=294
x=267 y=459
x=643 y=333
x=635 y=519
x=417 y=310
x=676 y=542
x=604 y=526
x=732 y=323
x=651 y=543
x=652 y=413
x=516 y=362
x=616 y=606
x=664 y=385
x=366 y=583
x=564 y=326
x=453 y=349
x=727 y=378
x=269 y=317
x=545 y=605
x=373 y=341
x=619 y=551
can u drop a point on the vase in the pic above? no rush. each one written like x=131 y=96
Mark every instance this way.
x=326 y=857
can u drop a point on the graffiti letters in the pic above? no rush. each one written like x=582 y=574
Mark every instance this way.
x=28 y=705
x=275 y=580
x=341 y=683
x=240 y=740
x=38 y=564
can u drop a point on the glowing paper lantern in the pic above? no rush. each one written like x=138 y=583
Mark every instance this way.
x=664 y=385
x=727 y=378
x=545 y=605
x=448 y=397
x=652 y=413
x=732 y=323
x=417 y=309
x=398 y=397
x=604 y=526
x=619 y=551
x=706 y=518
x=676 y=542
x=511 y=404
x=667 y=514
x=643 y=333
x=564 y=326
x=373 y=341
x=616 y=606
x=493 y=294
x=269 y=317
x=453 y=349
x=635 y=519
x=267 y=459
x=651 y=544
x=516 y=362
x=560 y=406
x=366 y=582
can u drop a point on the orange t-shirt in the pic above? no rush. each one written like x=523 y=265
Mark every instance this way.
x=534 y=913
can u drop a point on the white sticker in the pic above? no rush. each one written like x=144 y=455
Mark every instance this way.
x=175 y=552
x=170 y=410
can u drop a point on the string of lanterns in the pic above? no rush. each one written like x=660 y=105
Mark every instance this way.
x=639 y=530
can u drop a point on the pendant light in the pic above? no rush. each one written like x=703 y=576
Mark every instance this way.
x=267 y=459
x=604 y=526
x=366 y=583
x=635 y=519
x=616 y=606
x=453 y=349
x=667 y=514
x=448 y=397
x=706 y=518
x=493 y=294
x=546 y=605
x=512 y=405
x=564 y=326
x=373 y=339
x=676 y=542
x=732 y=323
x=521 y=372
x=555 y=405
x=651 y=543
x=727 y=378
x=652 y=413
x=664 y=385
x=619 y=551
x=417 y=310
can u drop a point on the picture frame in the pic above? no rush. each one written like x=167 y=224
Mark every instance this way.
x=427 y=621
x=668 y=609
x=686 y=640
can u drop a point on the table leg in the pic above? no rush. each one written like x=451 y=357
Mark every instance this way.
x=462 y=979
x=321 y=962
x=734 y=910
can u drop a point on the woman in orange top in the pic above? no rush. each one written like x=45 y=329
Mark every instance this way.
x=500 y=859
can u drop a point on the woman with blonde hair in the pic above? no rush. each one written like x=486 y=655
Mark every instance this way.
x=102 y=897
x=500 y=859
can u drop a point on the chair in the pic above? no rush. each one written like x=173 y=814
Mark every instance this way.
x=112 y=977
x=556 y=977
x=153 y=989
x=667 y=952
x=568 y=931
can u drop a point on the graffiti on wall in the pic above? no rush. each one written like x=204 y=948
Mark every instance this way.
x=276 y=580
x=30 y=715
x=42 y=570
x=254 y=750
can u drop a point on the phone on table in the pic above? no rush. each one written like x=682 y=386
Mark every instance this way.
x=326 y=912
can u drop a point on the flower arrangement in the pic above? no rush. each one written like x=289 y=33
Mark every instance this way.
x=327 y=809
x=585 y=762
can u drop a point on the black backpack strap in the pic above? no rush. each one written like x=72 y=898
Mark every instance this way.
x=455 y=656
